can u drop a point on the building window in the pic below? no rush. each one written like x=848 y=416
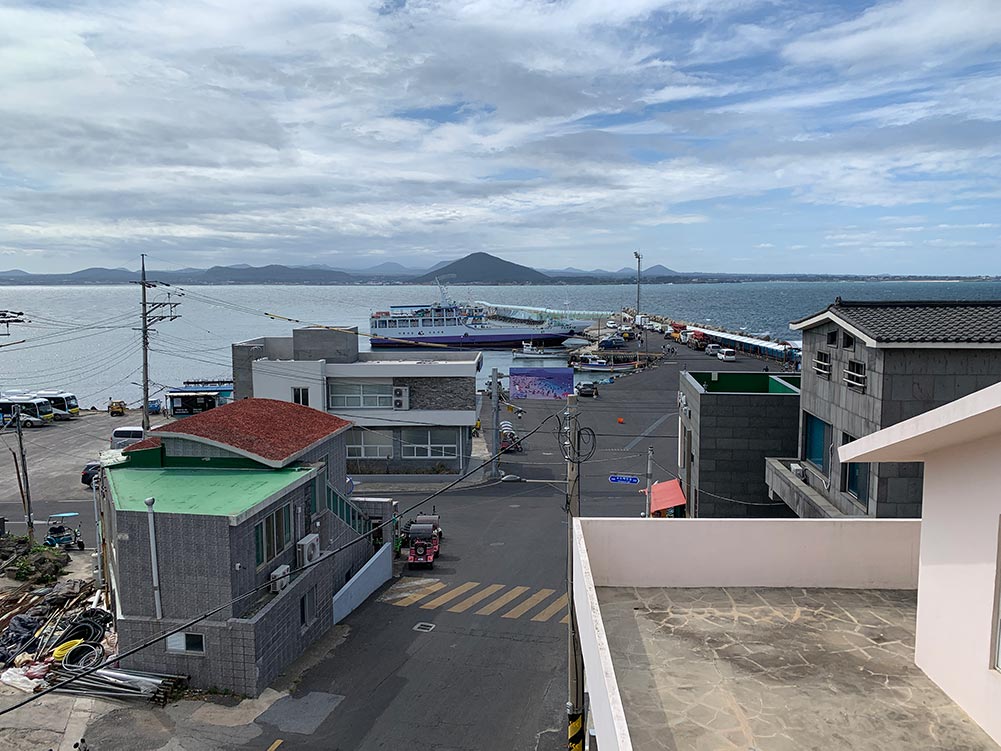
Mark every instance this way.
x=832 y=338
x=847 y=341
x=817 y=442
x=822 y=364
x=307 y=608
x=185 y=641
x=357 y=395
x=855 y=476
x=272 y=535
x=300 y=395
x=369 y=444
x=855 y=375
x=430 y=443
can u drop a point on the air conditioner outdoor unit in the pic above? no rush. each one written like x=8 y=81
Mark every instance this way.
x=687 y=411
x=280 y=578
x=307 y=550
x=797 y=469
x=401 y=397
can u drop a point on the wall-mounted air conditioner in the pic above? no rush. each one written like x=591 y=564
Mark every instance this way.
x=280 y=578
x=401 y=397
x=307 y=550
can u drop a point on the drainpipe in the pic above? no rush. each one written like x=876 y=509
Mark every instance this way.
x=152 y=558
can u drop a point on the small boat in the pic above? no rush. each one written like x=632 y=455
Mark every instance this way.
x=530 y=351
x=595 y=364
x=575 y=341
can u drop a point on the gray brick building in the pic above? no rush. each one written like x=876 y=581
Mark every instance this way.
x=729 y=422
x=869 y=365
x=413 y=410
x=239 y=493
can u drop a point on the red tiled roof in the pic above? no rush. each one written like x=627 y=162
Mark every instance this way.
x=147 y=443
x=273 y=430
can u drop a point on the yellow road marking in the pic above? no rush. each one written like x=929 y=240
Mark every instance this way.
x=418 y=596
x=275 y=745
x=501 y=601
x=565 y=619
x=437 y=602
x=483 y=594
x=552 y=610
x=528 y=604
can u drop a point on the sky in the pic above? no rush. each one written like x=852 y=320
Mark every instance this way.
x=711 y=135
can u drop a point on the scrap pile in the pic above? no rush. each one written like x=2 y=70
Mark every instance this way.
x=48 y=635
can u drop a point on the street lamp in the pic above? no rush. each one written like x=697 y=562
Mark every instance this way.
x=639 y=260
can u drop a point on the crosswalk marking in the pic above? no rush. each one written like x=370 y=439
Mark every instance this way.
x=418 y=596
x=552 y=610
x=528 y=604
x=503 y=600
x=437 y=602
x=565 y=619
x=483 y=594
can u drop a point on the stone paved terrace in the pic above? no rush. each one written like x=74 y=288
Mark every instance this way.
x=760 y=669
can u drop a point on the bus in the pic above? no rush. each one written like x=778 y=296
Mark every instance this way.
x=35 y=411
x=64 y=404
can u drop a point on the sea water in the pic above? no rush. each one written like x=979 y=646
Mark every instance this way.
x=85 y=339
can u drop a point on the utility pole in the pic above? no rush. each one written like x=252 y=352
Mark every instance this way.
x=28 y=518
x=575 y=658
x=147 y=319
x=495 y=428
x=639 y=261
x=649 y=479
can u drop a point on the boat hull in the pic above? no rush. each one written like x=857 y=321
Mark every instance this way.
x=476 y=339
x=617 y=368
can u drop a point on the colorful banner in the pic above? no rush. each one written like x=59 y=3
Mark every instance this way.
x=541 y=383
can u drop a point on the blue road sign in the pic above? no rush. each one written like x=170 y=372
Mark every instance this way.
x=624 y=479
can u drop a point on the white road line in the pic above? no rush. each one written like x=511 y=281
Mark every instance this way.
x=656 y=424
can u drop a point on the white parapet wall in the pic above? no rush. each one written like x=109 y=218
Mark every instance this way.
x=376 y=572
x=846 y=553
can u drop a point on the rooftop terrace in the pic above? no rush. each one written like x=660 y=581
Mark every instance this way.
x=778 y=669
x=201 y=491
x=729 y=382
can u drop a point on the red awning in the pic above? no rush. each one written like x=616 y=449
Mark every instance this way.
x=667 y=494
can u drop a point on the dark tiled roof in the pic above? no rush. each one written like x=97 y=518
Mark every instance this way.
x=268 y=428
x=929 y=322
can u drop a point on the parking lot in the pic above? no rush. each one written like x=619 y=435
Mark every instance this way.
x=56 y=453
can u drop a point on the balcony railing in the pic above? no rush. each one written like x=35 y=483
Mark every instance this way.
x=822 y=368
x=854 y=380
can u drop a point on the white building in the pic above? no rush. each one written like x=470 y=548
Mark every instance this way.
x=413 y=410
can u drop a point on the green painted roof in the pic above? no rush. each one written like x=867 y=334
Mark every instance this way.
x=203 y=491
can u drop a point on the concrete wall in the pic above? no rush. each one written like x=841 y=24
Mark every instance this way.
x=325 y=344
x=959 y=578
x=440 y=393
x=732 y=434
x=853 y=554
x=376 y=572
x=275 y=380
x=244 y=354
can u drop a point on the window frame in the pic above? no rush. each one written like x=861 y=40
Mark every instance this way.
x=303 y=395
x=380 y=395
x=273 y=535
x=860 y=470
x=367 y=447
x=827 y=432
x=411 y=446
x=856 y=375
x=307 y=608
x=185 y=650
x=821 y=366
x=832 y=338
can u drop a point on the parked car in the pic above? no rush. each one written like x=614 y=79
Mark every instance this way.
x=89 y=472
x=610 y=324
x=122 y=437
x=712 y=349
x=727 y=355
x=587 y=389
x=612 y=342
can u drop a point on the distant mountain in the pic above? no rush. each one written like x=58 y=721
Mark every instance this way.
x=391 y=268
x=658 y=270
x=273 y=274
x=14 y=272
x=483 y=268
x=439 y=265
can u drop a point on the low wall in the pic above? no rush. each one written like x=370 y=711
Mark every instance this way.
x=376 y=572
x=845 y=553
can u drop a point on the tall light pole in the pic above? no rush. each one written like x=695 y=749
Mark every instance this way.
x=576 y=720
x=639 y=260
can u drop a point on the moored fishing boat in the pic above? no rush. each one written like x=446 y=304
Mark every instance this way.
x=595 y=364
x=530 y=351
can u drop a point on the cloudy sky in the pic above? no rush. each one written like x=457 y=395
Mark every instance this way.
x=744 y=135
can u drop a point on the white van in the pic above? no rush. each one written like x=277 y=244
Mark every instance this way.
x=712 y=349
x=727 y=355
x=122 y=437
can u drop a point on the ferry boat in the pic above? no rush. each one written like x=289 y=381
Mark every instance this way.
x=459 y=325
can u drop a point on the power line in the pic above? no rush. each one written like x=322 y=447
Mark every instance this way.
x=323 y=557
x=714 y=495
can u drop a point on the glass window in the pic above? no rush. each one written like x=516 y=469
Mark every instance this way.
x=430 y=443
x=822 y=364
x=832 y=338
x=359 y=395
x=307 y=607
x=273 y=534
x=817 y=443
x=369 y=444
x=847 y=340
x=185 y=641
x=300 y=395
